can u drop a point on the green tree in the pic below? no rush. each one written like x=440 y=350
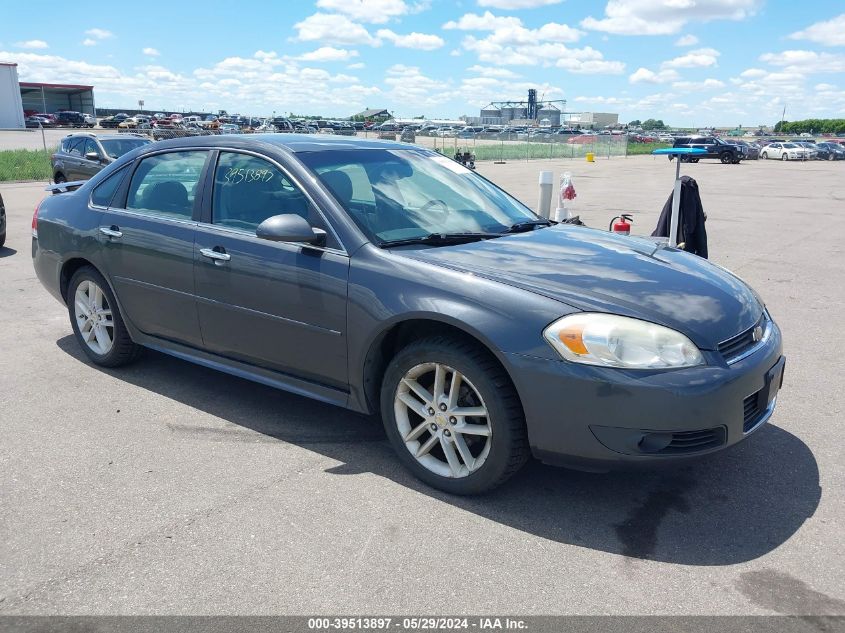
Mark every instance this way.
x=654 y=124
x=635 y=123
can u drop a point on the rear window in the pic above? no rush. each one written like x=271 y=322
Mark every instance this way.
x=104 y=192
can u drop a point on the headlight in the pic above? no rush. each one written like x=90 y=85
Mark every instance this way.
x=615 y=341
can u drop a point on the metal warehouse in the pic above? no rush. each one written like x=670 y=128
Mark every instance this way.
x=18 y=97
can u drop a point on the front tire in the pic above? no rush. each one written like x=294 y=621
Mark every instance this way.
x=784 y=156
x=453 y=416
x=726 y=158
x=96 y=320
x=765 y=155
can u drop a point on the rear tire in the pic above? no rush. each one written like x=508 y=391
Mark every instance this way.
x=96 y=320
x=493 y=445
x=59 y=178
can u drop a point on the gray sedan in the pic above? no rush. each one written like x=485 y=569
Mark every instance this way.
x=388 y=279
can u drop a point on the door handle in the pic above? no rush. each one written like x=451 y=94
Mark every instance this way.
x=215 y=255
x=111 y=231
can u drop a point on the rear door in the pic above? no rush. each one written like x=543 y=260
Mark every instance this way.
x=277 y=305
x=148 y=244
x=72 y=159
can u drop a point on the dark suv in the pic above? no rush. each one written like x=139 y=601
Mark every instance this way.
x=715 y=147
x=72 y=119
x=80 y=156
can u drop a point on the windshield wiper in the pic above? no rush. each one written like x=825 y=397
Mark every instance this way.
x=527 y=225
x=439 y=239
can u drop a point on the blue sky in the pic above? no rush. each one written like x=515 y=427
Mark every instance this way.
x=688 y=62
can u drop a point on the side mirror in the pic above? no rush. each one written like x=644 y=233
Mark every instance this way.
x=93 y=156
x=289 y=227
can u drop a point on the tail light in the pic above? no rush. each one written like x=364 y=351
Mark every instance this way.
x=35 y=221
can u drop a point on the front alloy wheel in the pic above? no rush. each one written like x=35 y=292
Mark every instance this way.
x=442 y=420
x=453 y=416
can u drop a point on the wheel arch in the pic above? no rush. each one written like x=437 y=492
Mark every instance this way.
x=398 y=334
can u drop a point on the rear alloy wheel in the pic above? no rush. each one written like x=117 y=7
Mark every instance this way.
x=726 y=158
x=453 y=416
x=96 y=320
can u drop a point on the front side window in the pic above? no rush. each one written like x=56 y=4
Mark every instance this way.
x=90 y=146
x=249 y=189
x=409 y=193
x=166 y=184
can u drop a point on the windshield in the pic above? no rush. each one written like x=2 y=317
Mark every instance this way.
x=406 y=194
x=120 y=146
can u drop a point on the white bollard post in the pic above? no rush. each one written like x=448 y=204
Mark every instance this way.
x=544 y=202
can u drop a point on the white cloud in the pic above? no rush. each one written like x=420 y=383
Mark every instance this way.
x=665 y=17
x=408 y=86
x=328 y=54
x=700 y=58
x=516 y=4
x=89 y=42
x=707 y=84
x=99 y=34
x=32 y=44
x=686 y=40
x=332 y=28
x=797 y=61
x=644 y=75
x=419 y=41
x=485 y=22
x=356 y=66
x=510 y=30
x=372 y=11
x=828 y=33
x=511 y=49
x=492 y=71
x=151 y=52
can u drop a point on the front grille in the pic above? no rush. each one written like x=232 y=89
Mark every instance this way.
x=694 y=441
x=751 y=413
x=742 y=342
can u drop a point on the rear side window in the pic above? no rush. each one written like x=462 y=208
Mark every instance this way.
x=104 y=192
x=166 y=184
x=74 y=146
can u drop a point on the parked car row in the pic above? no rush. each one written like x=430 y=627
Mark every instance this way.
x=63 y=118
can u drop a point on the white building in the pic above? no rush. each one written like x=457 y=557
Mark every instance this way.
x=11 y=108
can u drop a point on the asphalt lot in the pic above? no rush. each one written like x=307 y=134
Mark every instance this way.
x=167 y=488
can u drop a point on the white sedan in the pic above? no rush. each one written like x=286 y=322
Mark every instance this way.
x=785 y=151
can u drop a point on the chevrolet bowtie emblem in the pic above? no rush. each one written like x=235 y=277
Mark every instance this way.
x=757 y=335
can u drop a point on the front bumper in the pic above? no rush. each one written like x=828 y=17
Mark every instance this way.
x=596 y=418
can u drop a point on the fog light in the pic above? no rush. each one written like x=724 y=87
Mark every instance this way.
x=654 y=442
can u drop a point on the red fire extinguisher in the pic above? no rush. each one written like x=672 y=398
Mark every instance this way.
x=623 y=226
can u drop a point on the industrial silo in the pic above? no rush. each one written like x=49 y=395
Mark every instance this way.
x=549 y=111
x=491 y=115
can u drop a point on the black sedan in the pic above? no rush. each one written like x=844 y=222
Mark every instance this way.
x=386 y=278
x=830 y=151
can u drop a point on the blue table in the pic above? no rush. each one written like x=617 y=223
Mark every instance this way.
x=676 y=196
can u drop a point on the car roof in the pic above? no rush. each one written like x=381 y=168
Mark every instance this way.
x=291 y=142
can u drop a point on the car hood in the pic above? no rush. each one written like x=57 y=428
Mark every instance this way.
x=597 y=271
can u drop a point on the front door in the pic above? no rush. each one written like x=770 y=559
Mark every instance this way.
x=277 y=305
x=88 y=167
x=148 y=237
